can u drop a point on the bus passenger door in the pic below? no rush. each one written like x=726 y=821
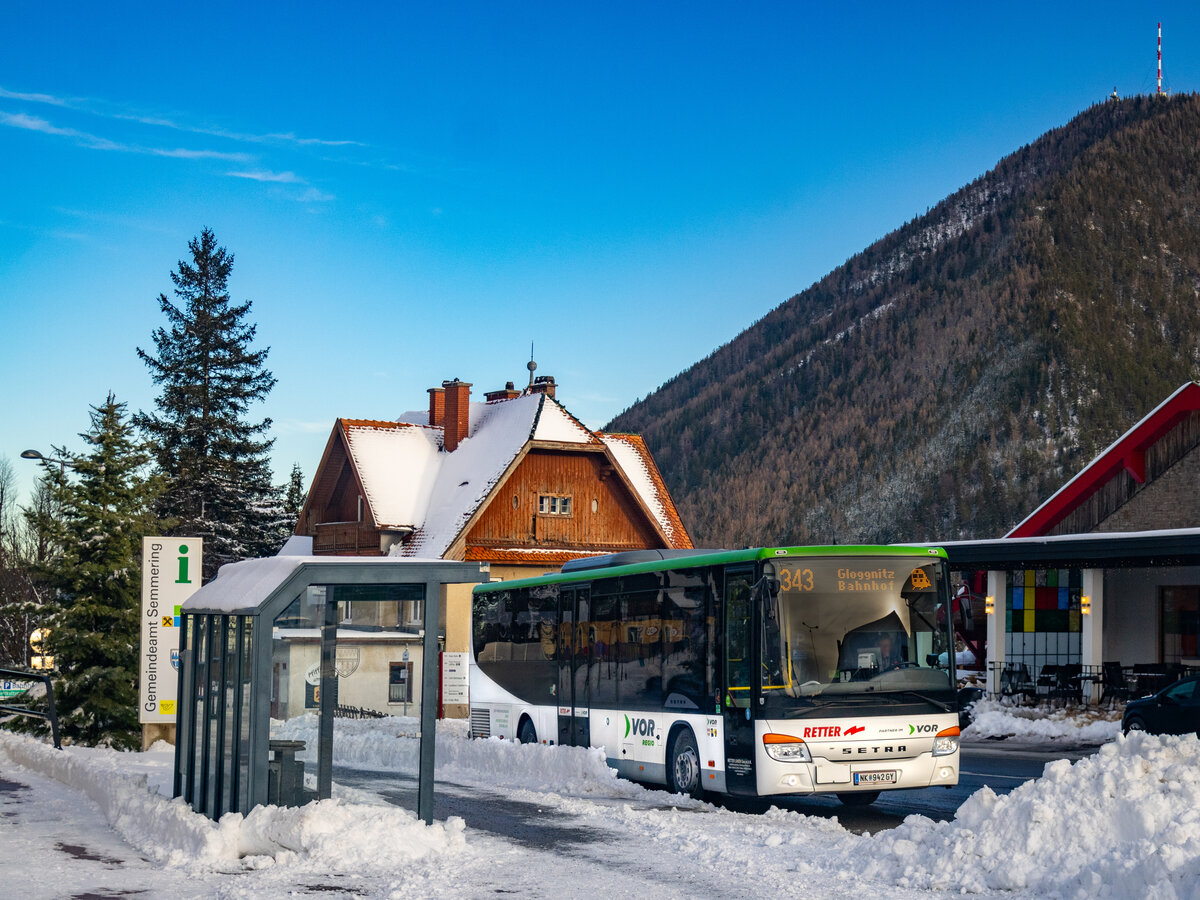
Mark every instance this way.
x=574 y=618
x=738 y=680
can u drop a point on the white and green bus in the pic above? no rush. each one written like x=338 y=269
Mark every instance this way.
x=792 y=670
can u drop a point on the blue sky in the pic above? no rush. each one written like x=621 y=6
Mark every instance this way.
x=416 y=192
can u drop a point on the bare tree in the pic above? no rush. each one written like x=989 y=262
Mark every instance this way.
x=18 y=595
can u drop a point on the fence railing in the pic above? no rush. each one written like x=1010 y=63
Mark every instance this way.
x=1073 y=683
x=48 y=713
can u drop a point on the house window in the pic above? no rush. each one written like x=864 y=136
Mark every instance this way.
x=411 y=614
x=554 y=505
x=400 y=682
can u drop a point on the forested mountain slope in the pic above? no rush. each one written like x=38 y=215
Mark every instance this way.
x=947 y=379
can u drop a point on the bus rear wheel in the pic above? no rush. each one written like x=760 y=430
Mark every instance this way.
x=858 y=798
x=683 y=765
x=527 y=734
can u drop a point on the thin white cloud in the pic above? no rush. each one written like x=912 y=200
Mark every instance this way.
x=184 y=153
x=70 y=235
x=95 y=142
x=33 y=98
x=307 y=142
x=312 y=195
x=34 y=123
x=103 y=110
x=276 y=177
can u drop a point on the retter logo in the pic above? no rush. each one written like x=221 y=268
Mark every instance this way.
x=855 y=730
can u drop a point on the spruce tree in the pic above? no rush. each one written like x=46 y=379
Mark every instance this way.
x=293 y=500
x=105 y=501
x=215 y=461
x=294 y=497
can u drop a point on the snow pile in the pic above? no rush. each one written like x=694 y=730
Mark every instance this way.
x=1086 y=725
x=165 y=830
x=344 y=837
x=329 y=835
x=392 y=744
x=1124 y=822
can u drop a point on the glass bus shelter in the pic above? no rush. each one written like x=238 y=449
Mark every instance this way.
x=272 y=648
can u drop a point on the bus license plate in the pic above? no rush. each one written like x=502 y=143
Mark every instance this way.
x=875 y=777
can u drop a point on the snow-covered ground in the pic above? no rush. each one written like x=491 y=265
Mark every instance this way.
x=1123 y=822
x=1080 y=725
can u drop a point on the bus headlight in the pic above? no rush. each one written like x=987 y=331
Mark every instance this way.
x=946 y=742
x=786 y=748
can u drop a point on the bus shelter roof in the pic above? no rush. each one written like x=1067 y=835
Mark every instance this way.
x=258 y=586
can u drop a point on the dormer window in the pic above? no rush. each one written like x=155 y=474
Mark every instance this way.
x=554 y=505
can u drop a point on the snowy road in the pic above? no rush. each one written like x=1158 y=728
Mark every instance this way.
x=86 y=824
x=544 y=827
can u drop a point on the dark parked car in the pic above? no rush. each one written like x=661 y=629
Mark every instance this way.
x=1173 y=710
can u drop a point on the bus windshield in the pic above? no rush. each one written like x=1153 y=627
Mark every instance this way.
x=855 y=632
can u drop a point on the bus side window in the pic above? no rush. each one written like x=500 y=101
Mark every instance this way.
x=737 y=640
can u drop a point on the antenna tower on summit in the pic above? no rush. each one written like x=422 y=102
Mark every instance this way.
x=1160 y=58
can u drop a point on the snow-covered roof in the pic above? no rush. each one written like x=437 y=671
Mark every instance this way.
x=383 y=450
x=411 y=484
x=244 y=587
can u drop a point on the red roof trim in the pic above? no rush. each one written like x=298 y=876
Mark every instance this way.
x=1127 y=453
x=529 y=556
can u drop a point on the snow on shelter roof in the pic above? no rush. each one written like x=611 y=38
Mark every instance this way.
x=253 y=585
x=410 y=483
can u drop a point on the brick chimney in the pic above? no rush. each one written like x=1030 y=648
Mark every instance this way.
x=509 y=393
x=543 y=384
x=457 y=420
x=437 y=406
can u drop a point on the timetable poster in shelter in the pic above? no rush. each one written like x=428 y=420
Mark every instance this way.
x=170 y=574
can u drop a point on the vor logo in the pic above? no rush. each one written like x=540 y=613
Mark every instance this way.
x=922 y=729
x=644 y=727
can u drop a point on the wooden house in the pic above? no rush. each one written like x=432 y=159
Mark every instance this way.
x=514 y=481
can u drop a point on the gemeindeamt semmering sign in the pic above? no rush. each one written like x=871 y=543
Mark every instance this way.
x=170 y=574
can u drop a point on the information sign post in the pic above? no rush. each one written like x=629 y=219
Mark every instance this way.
x=170 y=574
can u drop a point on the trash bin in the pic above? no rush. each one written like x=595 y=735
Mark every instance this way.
x=285 y=775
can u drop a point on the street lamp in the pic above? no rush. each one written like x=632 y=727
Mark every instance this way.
x=43 y=459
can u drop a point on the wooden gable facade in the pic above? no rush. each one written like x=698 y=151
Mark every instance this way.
x=603 y=515
x=336 y=515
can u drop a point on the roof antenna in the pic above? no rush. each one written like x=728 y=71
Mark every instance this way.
x=531 y=365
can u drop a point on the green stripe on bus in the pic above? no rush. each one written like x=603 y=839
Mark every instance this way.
x=719 y=558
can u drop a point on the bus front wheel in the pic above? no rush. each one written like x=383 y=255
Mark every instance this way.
x=858 y=798
x=527 y=734
x=683 y=765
